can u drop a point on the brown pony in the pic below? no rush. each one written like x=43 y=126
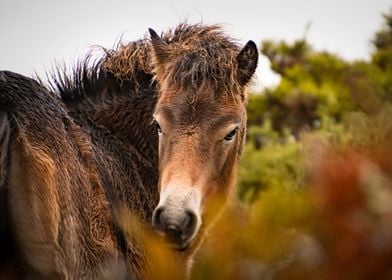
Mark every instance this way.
x=155 y=127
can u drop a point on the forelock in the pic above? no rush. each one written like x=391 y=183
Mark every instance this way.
x=199 y=57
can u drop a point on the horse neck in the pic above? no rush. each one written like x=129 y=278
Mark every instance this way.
x=124 y=110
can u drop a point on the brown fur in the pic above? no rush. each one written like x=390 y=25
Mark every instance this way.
x=69 y=166
x=191 y=57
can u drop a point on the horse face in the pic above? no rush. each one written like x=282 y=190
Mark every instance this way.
x=199 y=142
x=200 y=117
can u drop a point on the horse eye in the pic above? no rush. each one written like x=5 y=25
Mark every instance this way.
x=158 y=127
x=231 y=135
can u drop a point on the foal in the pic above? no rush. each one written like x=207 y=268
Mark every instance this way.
x=155 y=127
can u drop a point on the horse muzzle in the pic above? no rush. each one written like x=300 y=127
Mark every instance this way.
x=177 y=216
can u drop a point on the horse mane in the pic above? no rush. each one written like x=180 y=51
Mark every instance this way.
x=84 y=77
x=128 y=61
x=124 y=65
x=197 y=57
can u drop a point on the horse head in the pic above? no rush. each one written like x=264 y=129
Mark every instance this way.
x=200 y=118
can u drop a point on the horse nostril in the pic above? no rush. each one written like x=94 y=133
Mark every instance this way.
x=190 y=223
x=157 y=219
x=174 y=233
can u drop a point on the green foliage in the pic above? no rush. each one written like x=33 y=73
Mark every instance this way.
x=274 y=166
x=382 y=56
x=317 y=93
x=313 y=85
x=256 y=109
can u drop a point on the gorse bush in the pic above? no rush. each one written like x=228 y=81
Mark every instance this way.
x=274 y=166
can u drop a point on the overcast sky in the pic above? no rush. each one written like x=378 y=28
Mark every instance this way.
x=35 y=33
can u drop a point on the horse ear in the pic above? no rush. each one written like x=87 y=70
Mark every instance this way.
x=247 y=62
x=154 y=35
x=159 y=47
